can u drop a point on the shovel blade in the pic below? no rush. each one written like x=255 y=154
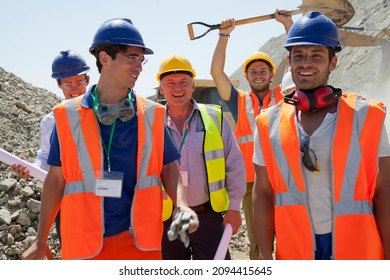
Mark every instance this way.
x=339 y=11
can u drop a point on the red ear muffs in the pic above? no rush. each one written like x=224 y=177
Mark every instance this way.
x=307 y=100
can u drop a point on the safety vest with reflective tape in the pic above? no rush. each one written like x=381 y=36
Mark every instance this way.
x=214 y=157
x=355 y=168
x=248 y=110
x=82 y=212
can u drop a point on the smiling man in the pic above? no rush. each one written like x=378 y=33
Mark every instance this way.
x=322 y=161
x=210 y=165
x=258 y=70
x=70 y=71
x=110 y=154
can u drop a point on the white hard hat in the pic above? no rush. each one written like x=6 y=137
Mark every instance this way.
x=287 y=82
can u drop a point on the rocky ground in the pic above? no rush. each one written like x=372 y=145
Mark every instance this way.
x=22 y=106
x=238 y=245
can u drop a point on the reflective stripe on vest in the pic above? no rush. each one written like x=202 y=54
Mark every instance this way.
x=248 y=110
x=81 y=156
x=146 y=210
x=357 y=135
x=213 y=150
x=79 y=143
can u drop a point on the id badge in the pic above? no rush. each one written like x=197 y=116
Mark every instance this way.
x=109 y=184
x=184 y=177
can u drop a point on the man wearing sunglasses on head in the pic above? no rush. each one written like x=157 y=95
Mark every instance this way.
x=322 y=161
x=110 y=154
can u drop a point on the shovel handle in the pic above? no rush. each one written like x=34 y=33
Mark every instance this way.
x=265 y=17
x=238 y=22
x=191 y=29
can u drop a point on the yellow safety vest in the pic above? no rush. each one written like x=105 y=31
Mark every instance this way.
x=214 y=157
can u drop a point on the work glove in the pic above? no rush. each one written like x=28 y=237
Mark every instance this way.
x=179 y=227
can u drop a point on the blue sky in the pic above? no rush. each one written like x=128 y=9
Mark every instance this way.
x=33 y=32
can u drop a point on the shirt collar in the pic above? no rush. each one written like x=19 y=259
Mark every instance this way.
x=168 y=121
x=86 y=101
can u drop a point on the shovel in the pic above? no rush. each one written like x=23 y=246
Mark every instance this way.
x=340 y=11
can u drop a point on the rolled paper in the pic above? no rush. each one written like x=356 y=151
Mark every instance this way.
x=35 y=171
x=224 y=243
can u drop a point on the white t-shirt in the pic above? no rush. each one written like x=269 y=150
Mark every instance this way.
x=319 y=185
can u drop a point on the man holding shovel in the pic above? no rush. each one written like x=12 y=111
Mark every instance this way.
x=259 y=71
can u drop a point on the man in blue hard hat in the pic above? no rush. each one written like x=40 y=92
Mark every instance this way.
x=110 y=155
x=70 y=71
x=322 y=160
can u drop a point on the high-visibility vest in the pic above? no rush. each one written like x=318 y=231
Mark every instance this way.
x=355 y=167
x=248 y=110
x=214 y=158
x=82 y=212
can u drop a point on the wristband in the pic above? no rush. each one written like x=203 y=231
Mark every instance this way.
x=223 y=34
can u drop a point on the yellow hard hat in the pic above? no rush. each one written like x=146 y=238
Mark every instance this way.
x=175 y=64
x=255 y=57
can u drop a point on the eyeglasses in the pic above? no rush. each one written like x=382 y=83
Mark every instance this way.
x=308 y=155
x=135 y=59
x=76 y=85
x=107 y=113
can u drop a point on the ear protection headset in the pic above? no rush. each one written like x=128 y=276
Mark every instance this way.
x=308 y=100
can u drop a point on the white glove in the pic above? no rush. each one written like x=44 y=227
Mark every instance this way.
x=179 y=227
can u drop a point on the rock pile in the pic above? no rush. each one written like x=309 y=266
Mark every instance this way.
x=22 y=106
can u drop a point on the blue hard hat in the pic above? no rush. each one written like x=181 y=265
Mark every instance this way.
x=68 y=64
x=316 y=29
x=119 y=31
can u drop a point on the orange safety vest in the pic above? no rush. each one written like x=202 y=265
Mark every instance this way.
x=248 y=110
x=355 y=168
x=82 y=212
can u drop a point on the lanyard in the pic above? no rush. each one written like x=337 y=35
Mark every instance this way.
x=108 y=149
x=184 y=135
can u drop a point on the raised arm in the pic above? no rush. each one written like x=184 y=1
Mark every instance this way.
x=283 y=18
x=221 y=80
